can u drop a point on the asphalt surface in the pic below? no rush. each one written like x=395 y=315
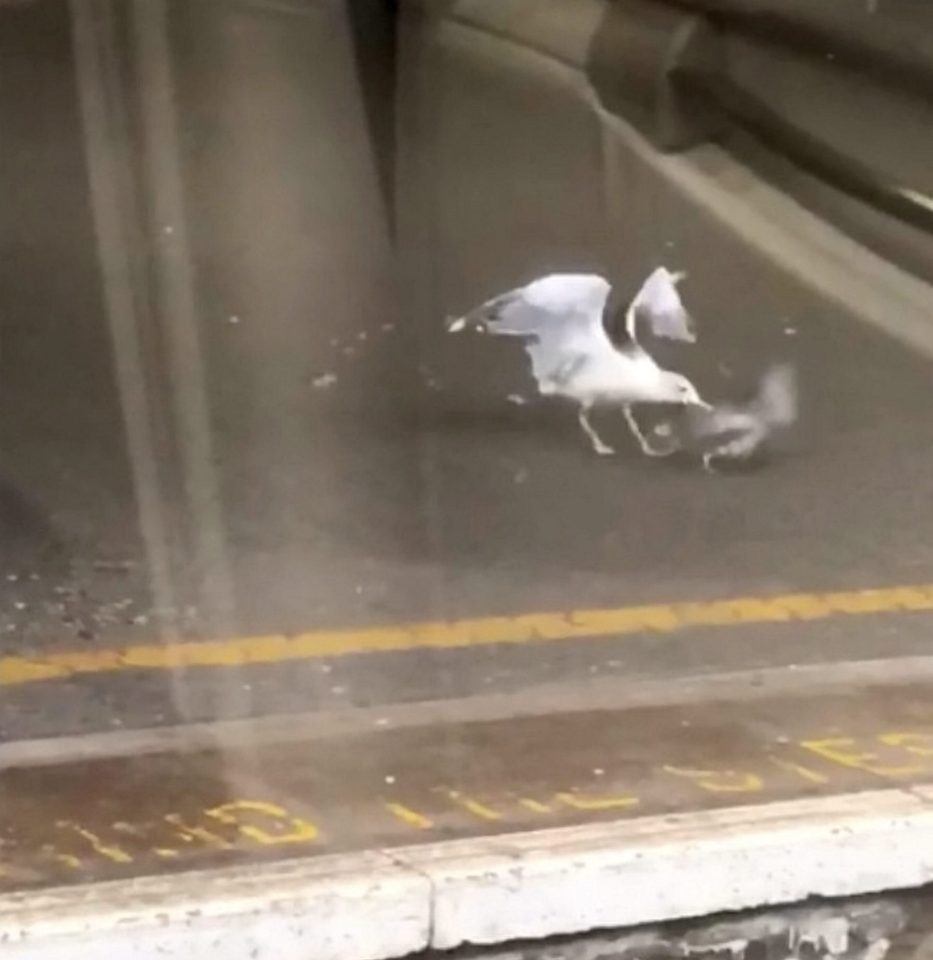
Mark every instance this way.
x=369 y=469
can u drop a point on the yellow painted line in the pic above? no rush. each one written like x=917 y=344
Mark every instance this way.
x=661 y=618
x=410 y=817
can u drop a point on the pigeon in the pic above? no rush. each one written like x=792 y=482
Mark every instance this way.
x=739 y=432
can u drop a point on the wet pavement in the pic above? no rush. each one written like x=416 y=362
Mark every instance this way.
x=294 y=792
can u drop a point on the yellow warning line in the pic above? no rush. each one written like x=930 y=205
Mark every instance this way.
x=479 y=632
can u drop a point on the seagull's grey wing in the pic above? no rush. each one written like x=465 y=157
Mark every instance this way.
x=562 y=318
x=777 y=402
x=485 y=313
x=658 y=304
x=556 y=307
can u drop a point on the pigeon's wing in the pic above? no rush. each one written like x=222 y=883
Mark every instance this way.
x=722 y=419
x=657 y=306
x=777 y=401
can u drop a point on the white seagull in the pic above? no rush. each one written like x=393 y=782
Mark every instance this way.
x=560 y=317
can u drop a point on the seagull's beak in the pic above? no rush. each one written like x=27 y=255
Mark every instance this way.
x=703 y=405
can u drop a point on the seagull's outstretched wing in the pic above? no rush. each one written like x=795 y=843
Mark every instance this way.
x=557 y=305
x=560 y=317
x=658 y=304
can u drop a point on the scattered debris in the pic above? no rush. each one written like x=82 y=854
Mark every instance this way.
x=790 y=331
x=388 y=327
x=233 y=318
x=390 y=779
x=324 y=381
x=362 y=335
x=517 y=399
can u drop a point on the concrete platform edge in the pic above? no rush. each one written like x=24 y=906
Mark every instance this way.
x=383 y=904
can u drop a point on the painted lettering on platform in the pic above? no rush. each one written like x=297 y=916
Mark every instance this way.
x=79 y=846
x=73 y=847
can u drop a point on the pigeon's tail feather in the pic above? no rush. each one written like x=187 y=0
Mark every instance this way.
x=776 y=403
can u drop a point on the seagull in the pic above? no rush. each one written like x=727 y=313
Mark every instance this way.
x=560 y=317
x=737 y=432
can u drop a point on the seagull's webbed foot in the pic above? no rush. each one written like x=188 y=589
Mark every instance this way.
x=603 y=449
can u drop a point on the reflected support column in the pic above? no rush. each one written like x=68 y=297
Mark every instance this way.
x=146 y=271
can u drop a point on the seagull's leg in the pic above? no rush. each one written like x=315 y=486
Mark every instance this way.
x=646 y=447
x=708 y=461
x=601 y=448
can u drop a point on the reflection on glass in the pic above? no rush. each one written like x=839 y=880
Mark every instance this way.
x=289 y=569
